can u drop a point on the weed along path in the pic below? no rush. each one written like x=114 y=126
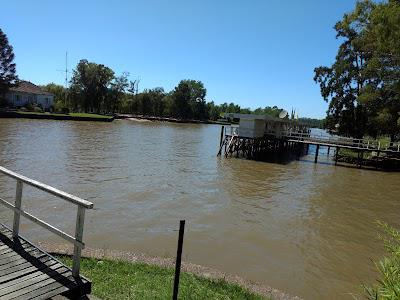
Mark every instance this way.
x=303 y=228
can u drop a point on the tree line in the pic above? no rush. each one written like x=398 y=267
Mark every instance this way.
x=362 y=86
x=95 y=88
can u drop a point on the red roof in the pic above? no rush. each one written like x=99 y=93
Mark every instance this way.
x=29 y=87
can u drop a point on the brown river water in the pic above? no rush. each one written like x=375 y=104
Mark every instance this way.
x=307 y=229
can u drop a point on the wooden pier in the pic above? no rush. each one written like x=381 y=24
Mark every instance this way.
x=297 y=144
x=27 y=272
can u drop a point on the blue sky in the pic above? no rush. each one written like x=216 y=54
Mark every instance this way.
x=253 y=53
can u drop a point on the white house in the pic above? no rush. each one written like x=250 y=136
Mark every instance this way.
x=253 y=126
x=27 y=92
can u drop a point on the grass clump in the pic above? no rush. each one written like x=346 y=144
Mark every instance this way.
x=81 y=115
x=112 y=279
x=388 y=284
x=86 y=115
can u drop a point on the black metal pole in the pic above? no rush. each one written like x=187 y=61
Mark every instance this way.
x=178 y=259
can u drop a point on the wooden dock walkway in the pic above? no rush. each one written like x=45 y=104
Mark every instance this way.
x=297 y=143
x=27 y=272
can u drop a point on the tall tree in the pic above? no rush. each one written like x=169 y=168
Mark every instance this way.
x=362 y=86
x=117 y=90
x=181 y=97
x=89 y=86
x=8 y=76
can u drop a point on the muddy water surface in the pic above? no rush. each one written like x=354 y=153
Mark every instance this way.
x=303 y=228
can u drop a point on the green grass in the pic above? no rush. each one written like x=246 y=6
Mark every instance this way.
x=37 y=113
x=388 y=284
x=113 y=279
x=85 y=115
x=89 y=115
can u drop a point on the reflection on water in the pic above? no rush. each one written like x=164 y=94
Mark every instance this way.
x=303 y=228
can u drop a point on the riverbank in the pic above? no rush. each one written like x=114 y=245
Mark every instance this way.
x=168 y=119
x=194 y=275
x=56 y=116
x=370 y=160
x=116 y=279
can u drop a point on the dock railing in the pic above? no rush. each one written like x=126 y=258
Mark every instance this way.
x=345 y=141
x=232 y=130
x=82 y=204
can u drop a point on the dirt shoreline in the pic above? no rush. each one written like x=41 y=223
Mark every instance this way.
x=167 y=119
x=202 y=271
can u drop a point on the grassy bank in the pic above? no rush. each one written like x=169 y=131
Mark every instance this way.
x=56 y=116
x=81 y=115
x=113 y=279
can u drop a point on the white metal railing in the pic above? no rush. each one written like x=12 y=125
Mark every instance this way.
x=346 y=141
x=233 y=130
x=18 y=211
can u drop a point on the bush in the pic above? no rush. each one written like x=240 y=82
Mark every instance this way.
x=388 y=284
x=37 y=109
x=29 y=107
x=65 y=110
x=59 y=107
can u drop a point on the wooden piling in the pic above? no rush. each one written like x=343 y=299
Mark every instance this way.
x=221 y=140
x=377 y=159
x=316 y=154
x=360 y=158
x=178 y=259
x=336 y=155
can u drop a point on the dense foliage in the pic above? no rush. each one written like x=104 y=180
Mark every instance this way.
x=363 y=84
x=313 y=123
x=388 y=284
x=95 y=88
x=8 y=76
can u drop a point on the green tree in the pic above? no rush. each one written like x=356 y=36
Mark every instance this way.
x=116 y=93
x=89 y=86
x=56 y=89
x=8 y=76
x=362 y=86
x=181 y=101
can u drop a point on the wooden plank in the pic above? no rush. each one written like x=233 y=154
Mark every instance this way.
x=33 y=290
x=15 y=255
x=37 y=273
x=73 y=291
x=27 y=271
x=42 y=288
x=22 y=266
x=6 y=256
x=48 y=189
x=15 y=261
x=32 y=280
x=3 y=246
x=5 y=250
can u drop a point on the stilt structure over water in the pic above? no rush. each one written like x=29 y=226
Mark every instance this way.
x=262 y=137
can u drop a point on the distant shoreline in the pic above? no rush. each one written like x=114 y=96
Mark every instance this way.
x=168 y=119
x=55 y=116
